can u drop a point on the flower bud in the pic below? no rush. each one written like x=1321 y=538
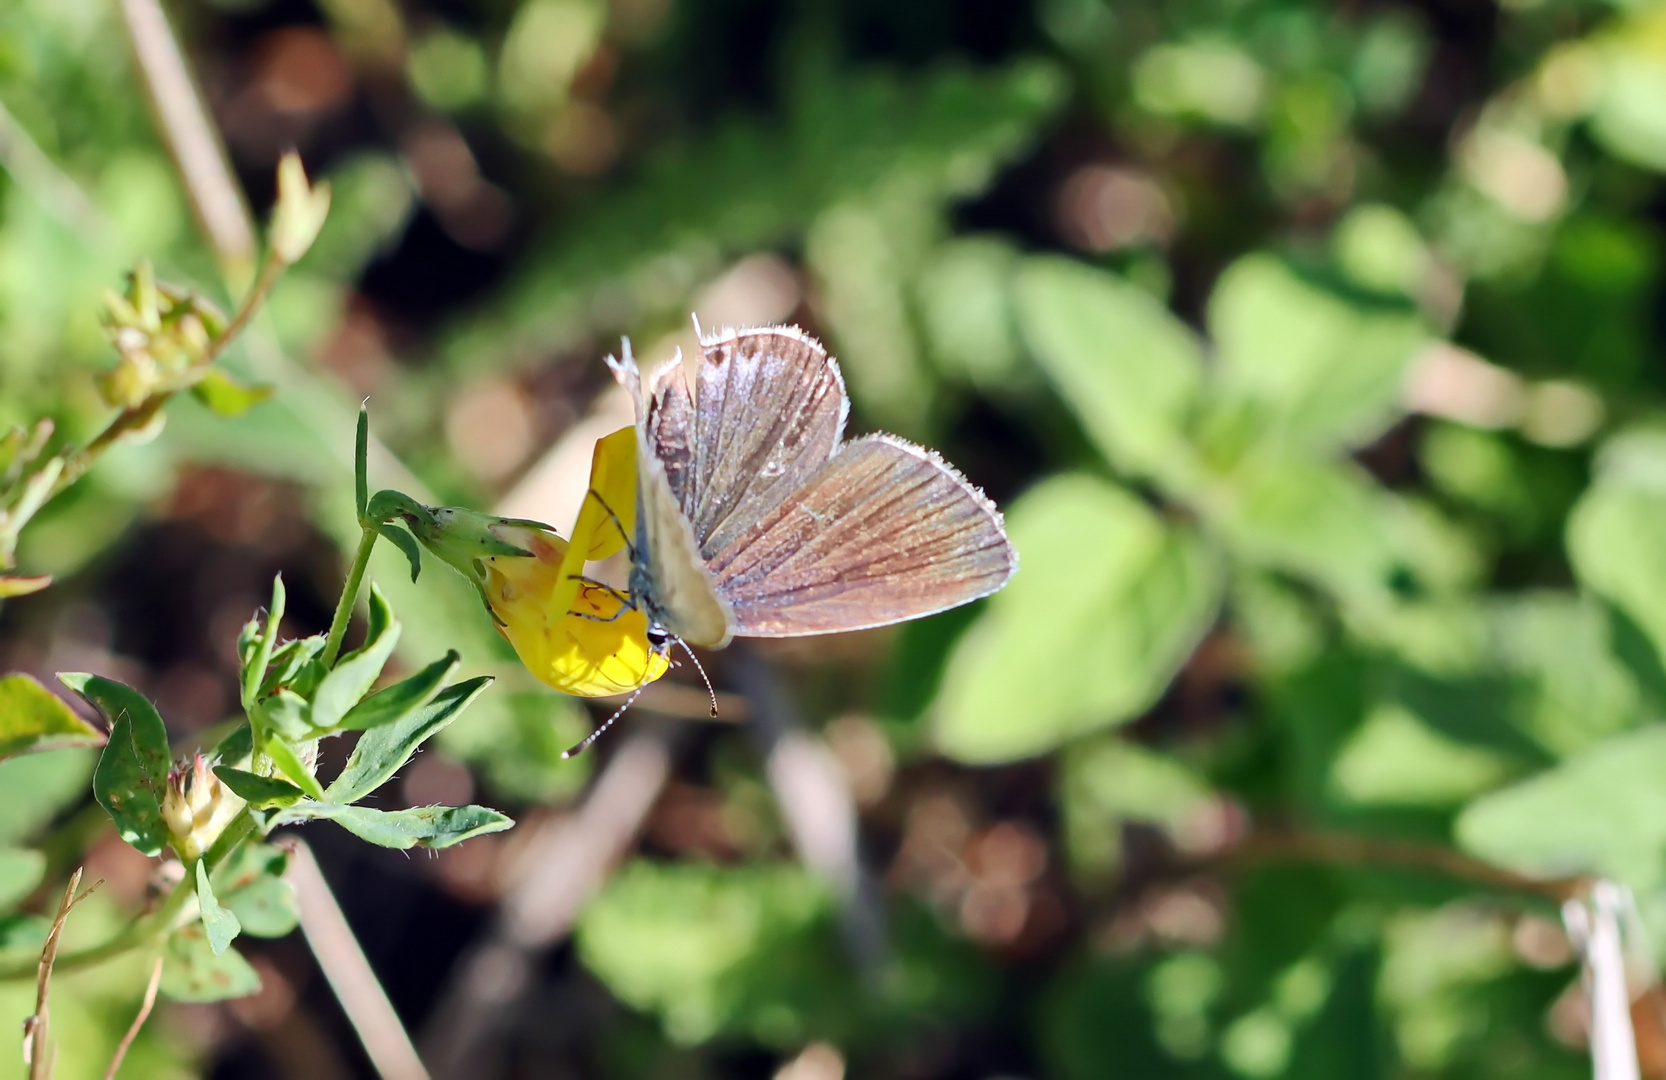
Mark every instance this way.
x=461 y=538
x=300 y=210
x=196 y=807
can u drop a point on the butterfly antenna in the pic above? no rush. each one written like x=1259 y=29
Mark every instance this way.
x=594 y=735
x=696 y=660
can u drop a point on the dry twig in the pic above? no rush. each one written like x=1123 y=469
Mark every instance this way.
x=145 y=1006
x=348 y=971
x=38 y=1051
x=563 y=863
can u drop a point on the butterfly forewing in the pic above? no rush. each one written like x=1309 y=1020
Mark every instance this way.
x=883 y=532
x=769 y=410
x=668 y=575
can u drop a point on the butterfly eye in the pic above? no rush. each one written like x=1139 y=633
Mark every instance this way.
x=658 y=639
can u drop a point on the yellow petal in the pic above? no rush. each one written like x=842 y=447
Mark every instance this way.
x=607 y=515
x=579 y=637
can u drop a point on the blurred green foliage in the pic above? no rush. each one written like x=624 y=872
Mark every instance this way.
x=1313 y=350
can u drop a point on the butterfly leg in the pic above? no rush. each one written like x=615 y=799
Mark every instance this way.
x=624 y=600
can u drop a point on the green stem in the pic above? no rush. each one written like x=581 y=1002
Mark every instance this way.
x=147 y=929
x=349 y=596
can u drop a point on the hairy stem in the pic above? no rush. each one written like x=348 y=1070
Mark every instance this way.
x=349 y=596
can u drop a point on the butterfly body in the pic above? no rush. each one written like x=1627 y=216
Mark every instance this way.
x=755 y=518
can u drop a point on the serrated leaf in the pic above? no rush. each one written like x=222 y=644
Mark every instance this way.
x=33 y=718
x=406 y=543
x=132 y=772
x=227 y=396
x=192 y=971
x=1126 y=367
x=420 y=826
x=1110 y=603
x=394 y=702
x=220 y=925
x=260 y=792
x=381 y=751
x=356 y=672
x=285 y=758
x=21 y=869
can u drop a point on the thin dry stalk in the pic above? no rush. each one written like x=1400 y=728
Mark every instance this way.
x=816 y=801
x=562 y=865
x=201 y=159
x=38 y=1052
x=217 y=203
x=348 y=971
x=145 y=1006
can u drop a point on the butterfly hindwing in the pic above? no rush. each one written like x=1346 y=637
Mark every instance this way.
x=882 y=532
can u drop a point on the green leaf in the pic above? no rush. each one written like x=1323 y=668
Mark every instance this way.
x=192 y=970
x=261 y=792
x=21 y=869
x=236 y=748
x=420 y=826
x=1107 y=782
x=1123 y=364
x=717 y=949
x=34 y=718
x=1617 y=544
x=23 y=935
x=1602 y=811
x=388 y=504
x=406 y=543
x=1320 y=366
x=35 y=788
x=252 y=886
x=361 y=463
x=1110 y=602
x=285 y=713
x=394 y=702
x=226 y=395
x=254 y=666
x=220 y=925
x=285 y=758
x=356 y=672
x=381 y=751
x=1324 y=522
x=286 y=664
x=132 y=773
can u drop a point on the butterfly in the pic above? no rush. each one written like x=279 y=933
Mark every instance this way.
x=754 y=517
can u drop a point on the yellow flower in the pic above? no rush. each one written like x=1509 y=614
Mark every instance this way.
x=577 y=636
